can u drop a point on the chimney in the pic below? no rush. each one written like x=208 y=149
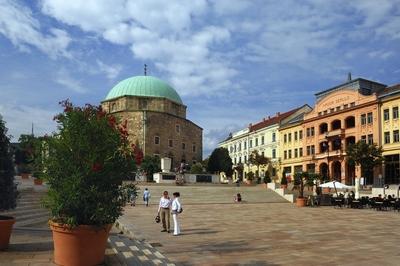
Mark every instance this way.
x=349 y=76
x=269 y=117
x=278 y=113
x=263 y=119
x=250 y=124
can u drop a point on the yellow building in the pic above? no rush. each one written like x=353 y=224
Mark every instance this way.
x=389 y=129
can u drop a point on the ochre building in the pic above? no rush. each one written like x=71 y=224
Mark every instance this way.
x=156 y=119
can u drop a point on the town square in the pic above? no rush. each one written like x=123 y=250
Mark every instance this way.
x=243 y=132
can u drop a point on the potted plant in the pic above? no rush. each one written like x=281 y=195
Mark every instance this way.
x=267 y=179
x=87 y=161
x=38 y=180
x=250 y=177
x=284 y=182
x=300 y=180
x=8 y=189
x=24 y=171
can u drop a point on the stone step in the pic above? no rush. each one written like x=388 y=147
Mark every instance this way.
x=38 y=214
x=24 y=211
x=32 y=222
x=135 y=252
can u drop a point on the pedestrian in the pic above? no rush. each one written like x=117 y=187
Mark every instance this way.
x=238 y=198
x=133 y=199
x=146 y=196
x=163 y=209
x=176 y=209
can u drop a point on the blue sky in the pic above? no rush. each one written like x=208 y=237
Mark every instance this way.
x=233 y=62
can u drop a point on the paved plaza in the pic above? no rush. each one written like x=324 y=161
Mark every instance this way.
x=265 y=230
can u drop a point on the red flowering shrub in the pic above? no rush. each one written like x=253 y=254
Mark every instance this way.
x=88 y=159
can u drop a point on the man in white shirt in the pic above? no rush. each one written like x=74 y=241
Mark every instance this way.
x=163 y=208
x=176 y=209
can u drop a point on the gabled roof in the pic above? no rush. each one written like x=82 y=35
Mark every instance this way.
x=272 y=120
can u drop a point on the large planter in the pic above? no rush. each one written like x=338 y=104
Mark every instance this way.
x=24 y=175
x=301 y=202
x=6 y=224
x=38 y=182
x=83 y=245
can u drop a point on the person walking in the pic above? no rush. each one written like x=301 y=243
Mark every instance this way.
x=146 y=196
x=163 y=209
x=176 y=209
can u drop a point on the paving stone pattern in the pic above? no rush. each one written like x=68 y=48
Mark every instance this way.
x=264 y=231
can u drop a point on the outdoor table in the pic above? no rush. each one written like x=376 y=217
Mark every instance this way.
x=355 y=204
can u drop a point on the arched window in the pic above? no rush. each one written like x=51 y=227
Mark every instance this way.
x=350 y=122
x=336 y=124
x=323 y=128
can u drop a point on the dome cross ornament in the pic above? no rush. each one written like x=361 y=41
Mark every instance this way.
x=145 y=69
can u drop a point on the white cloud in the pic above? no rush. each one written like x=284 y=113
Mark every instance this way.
x=64 y=78
x=159 y=31
x=19 y=119
x=381 y=54
x=18 y=25
x=111 y=71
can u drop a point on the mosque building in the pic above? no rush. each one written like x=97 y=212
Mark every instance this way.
x=156 y=119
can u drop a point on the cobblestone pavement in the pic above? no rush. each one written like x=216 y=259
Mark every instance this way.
x=265 y=231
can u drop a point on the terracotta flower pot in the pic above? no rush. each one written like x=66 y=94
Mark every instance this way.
x=83 y=245
x=6 y=224
x=38 y=181
x=283 y=186
x=301 y=202
x=25 y=176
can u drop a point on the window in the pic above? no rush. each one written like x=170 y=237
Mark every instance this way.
x=337 y=108
x=285 y=138
x=308 y=132
x=395 y=136
x=245 y=145
x=369 y=118
x=113 y=107
x=178 y=128
x=301 y=134
x=387 y=137
x=300 y=152
x=332 y=110
x=245 y=159
x=312 y=131
x=363 y=119
x=312 y=149
x=183 y=146
x=285 y=155
x=290 y=154
x=143 y=104
x=345 y=106
x=250 y=143
x=235 y=148
x=240 y=146
x=256 y=142
x=386 y=115
x=273 y=137
x=395 y=112
x=262 y=140
x=157 y=140
x=308 y=150
x=234 y=161
x=290 y=137
x=194 y=148
x=364 y=138
x=295 y=153
x=273 y=153
x=295 y=136
x=370 y=139
x=171 y=143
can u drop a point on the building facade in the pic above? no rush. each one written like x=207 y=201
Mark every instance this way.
x=156 y=119
x=342 y=116
x=389 y=128
x=291 y=144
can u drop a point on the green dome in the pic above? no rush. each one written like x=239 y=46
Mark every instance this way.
x=145 y=86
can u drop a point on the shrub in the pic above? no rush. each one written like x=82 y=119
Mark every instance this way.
x=250 y=176
x=87 y=161
x=197 y=168
x=8 y=190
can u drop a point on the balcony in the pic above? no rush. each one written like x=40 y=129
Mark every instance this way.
x=324 y=155
x=336 y=132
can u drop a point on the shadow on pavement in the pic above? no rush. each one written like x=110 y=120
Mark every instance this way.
x=28 y=247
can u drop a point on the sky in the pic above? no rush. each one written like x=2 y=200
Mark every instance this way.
x=233 y=62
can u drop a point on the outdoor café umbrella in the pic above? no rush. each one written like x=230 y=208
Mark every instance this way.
x=335 y=184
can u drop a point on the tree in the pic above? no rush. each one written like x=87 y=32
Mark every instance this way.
x=8 y=190
x=365 y=155
x=258 y=159
x=239 y=169
x=267 y=177
x=220 y=161
x=196 y=168
x=151 y=165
